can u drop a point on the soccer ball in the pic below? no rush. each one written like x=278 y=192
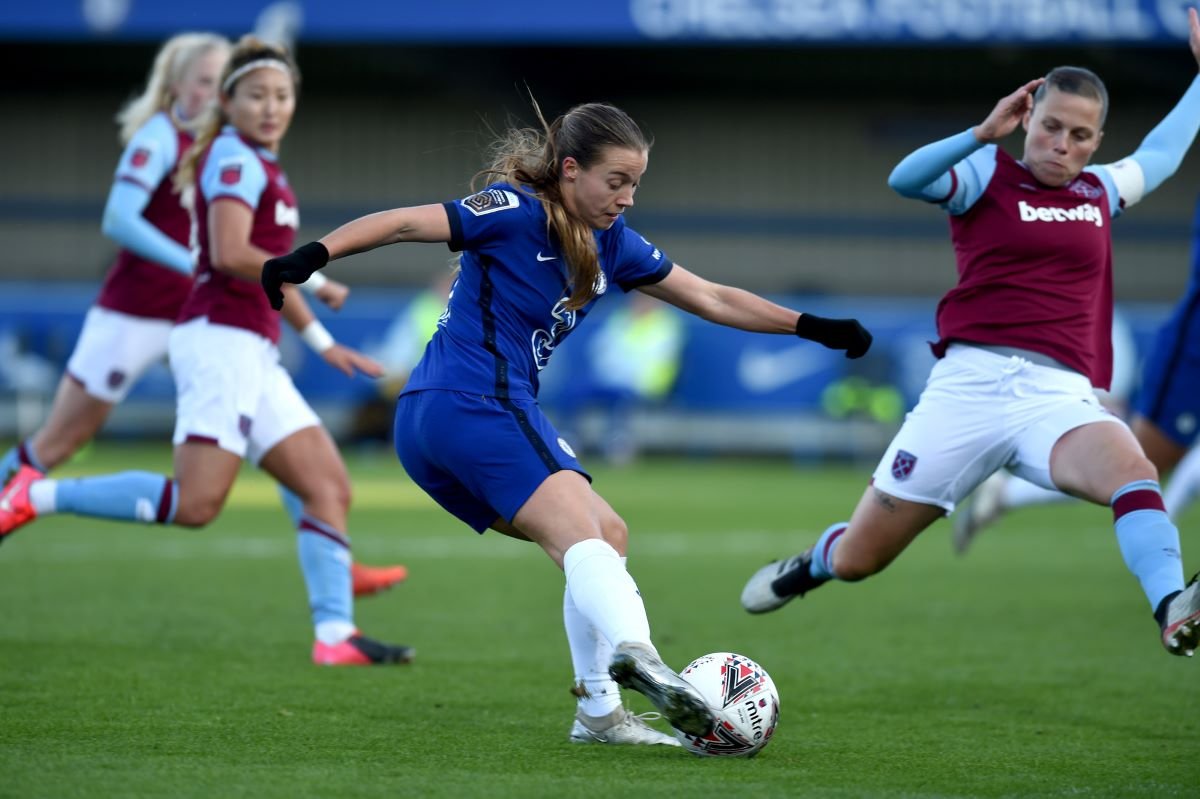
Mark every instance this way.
x=744 y=702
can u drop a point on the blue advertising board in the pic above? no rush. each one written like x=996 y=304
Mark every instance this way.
x=620 y=21
x=720 y=370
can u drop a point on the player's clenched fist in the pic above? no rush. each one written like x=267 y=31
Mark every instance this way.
x=836 y=334
x=295 y=267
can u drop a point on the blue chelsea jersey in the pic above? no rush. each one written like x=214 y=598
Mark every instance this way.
x=507 y=311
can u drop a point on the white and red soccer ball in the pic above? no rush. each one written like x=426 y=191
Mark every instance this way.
x=744 y=702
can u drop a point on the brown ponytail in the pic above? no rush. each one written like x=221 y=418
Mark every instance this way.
x=533 y=158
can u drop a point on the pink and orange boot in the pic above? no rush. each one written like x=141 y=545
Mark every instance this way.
x=358 y=650
x=15 y=509
x=370 y=580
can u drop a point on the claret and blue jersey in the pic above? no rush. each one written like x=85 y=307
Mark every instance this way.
x=507 y=311
x=235 y=168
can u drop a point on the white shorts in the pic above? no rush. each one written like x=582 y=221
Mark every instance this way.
x=114 y=350
x=231 y=390
x=980 y=412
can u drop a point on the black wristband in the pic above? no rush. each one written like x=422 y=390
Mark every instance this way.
x=809 y=326
x=315 y=254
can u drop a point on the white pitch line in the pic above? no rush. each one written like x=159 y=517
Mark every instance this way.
x=456 y=545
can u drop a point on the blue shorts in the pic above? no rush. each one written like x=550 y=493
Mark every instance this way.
x=479 y=457
x=1170 y=394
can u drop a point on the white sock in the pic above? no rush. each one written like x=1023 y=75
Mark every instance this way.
x=331 y=633
x=590 y=655
x=1184 y=484
x=1018 y=493
x=604 y=593
x=43 y=495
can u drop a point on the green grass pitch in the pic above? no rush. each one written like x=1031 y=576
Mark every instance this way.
x=140 y=662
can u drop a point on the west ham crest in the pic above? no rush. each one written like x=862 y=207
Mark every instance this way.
x=903 y=465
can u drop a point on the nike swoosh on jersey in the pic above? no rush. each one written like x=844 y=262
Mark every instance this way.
x=540 y=257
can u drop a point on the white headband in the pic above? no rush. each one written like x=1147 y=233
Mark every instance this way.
x=269 y=63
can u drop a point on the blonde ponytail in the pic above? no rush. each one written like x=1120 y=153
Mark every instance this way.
x=185 y=173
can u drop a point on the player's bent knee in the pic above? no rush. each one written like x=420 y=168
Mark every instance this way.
x=1136 y=468
x=197 y=512
x=615 y=533
x=335 y=493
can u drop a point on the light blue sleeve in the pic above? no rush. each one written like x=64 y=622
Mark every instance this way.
x=124 y=224
x=150 y=155
x=233 y=171
x=952 y=172
x=1162 y=151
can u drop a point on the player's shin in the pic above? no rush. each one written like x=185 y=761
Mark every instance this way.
x=325 y=561
x=604 y=593
x=127 y=496
x=20 y=455
x=1149 y=541
x=597 y=693
x=822 y=557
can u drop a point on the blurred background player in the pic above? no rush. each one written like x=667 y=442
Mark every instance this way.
x=632 y=362
x=126 y=332
x=234 y=399
x=1024 y=336
x=401 y=348
x=539 y=247
x=1167 y=414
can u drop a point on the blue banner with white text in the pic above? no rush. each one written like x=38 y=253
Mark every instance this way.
x=843 y=22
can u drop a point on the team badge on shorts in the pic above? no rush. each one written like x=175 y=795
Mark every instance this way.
x=244 y=423
x=115 y=378
x=903 y=465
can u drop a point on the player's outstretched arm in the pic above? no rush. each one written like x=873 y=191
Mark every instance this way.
x=427 y=223
x=1162 y=151
x=734 y=307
